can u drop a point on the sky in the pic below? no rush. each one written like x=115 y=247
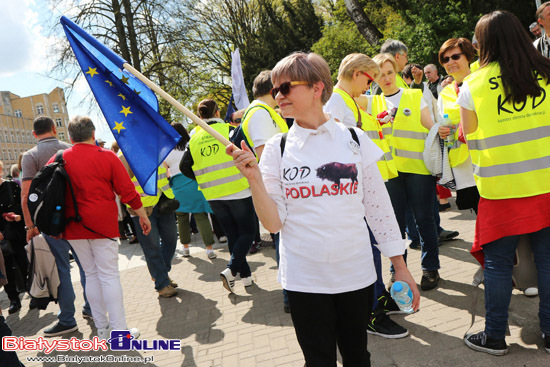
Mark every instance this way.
x=28 y=55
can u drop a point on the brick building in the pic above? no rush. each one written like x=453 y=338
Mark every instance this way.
x=16 y=117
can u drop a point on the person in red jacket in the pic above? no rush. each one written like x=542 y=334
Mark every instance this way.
x=97 y=175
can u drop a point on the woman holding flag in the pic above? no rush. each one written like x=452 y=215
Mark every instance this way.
x=325 y=266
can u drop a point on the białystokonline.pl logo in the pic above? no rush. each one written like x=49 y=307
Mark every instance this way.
x=121 y=340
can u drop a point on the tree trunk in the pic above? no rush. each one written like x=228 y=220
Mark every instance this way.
x=363 y=23
x=120 y=32
x=134 y=51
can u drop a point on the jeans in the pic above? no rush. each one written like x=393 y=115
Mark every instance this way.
x=159 y=246
x=65 y=292
x=99 y=258
x=412 y=230
x=379 y=286
x=276 y=238
x=237 y=220
x=323 y=321
x=417 y=190
x=499 y=263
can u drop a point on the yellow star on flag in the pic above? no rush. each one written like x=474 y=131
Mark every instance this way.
x=135 y=91
x=109 y=82
x=126 y=111
x=122 y=96
x=118 y=126
x=92 y=71
x=124 y=79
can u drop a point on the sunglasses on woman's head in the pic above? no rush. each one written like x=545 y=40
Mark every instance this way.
x=285 y=88
x=455 y=57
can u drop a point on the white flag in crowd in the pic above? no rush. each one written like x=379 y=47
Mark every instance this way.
x=239 y=89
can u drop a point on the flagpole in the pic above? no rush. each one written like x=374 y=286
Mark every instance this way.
x=178 y=105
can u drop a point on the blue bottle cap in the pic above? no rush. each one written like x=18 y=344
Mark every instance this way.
x=58 y=208
x=397 y=286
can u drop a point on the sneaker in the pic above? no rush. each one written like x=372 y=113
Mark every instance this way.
x=59 y=329
x=134 y=240
x=546 y=342
x=444 y=207
x=385 y=327
x=104 y=333
x=531 y=291
x=447 y=235
x=222 y=239
x=186 y=252
x=482 y=343
x=211 y=254
x=167 y=292
x=430 y=279
x=247 y=282
x=415 y=244
x=228 y=280
x=388 y=305
x=172 y=283
x=255 y=248
x=87 y=315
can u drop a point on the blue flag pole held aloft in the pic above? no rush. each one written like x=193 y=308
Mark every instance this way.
x=129 y=105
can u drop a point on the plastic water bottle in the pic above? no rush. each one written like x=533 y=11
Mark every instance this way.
x=57 y=216
x=402 y=295
x=449 y=140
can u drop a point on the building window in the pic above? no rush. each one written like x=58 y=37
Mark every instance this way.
x=39 y=109
x=13 y=137
x=61 y=135
x=55 y=107
x=7 y=136
x=18 y=113
x=9 y=155
x=58 y=123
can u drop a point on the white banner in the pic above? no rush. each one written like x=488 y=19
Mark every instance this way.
x=239 y=89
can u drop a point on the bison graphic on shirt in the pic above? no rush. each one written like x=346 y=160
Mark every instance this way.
x=335 y=171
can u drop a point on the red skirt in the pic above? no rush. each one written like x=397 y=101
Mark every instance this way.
x=509 y=217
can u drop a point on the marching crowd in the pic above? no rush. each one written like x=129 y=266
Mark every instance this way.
x=338 y=174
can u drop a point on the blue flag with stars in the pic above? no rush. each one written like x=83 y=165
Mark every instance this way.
x=129 y=106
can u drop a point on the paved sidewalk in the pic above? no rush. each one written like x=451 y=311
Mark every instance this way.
x=250 y=328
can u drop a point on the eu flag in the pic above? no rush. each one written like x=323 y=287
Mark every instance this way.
x=129 y=106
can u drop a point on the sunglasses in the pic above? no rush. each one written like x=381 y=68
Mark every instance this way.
x=371 y=79
x=455 y=57
x=285 y=88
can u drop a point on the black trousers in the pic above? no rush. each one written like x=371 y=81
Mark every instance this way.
x=322 y=321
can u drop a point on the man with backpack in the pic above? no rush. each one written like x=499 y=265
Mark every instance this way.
x=32 y=161
x=96 y=177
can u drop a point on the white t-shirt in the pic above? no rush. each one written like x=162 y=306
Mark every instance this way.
x=465 y=98
x=337 y=108
x=463 y=173
x=173 y=161
x=261 y=126
x=393 y=101
x=324 y=187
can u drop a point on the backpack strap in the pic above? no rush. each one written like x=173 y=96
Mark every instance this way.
x=354 y=135
x=351 y=130
x=283 y=143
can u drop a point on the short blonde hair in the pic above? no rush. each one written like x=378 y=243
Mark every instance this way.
x=381 y=59
x=309 y=67
x=360 y=62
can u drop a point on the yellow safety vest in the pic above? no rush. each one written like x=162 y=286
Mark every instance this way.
x=511 y=147
x=458 y=153
x=163 y=187
x=406 y=134
x=386 y=164
x=253 y=108
x=400 y=82
x=474 y=66
x=214 y=170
